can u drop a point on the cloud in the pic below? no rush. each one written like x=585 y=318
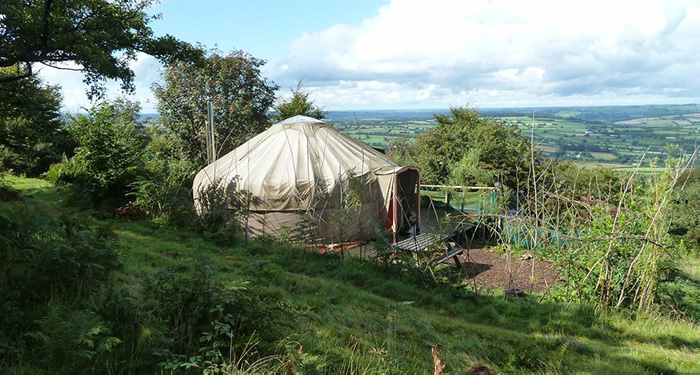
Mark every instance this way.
x=484 y=53
x=502 y=52
x=146 y=69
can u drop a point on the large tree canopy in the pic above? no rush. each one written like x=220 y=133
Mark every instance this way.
x=31 y=133
x=466 y=148
x=241 y=98
x=101 y=36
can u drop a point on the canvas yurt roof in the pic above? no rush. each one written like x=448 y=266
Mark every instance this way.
x=296 y=178
x=293 y=162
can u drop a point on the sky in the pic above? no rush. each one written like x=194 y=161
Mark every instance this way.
x=411 y=54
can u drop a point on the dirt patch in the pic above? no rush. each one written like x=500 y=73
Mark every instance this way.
x=495 y=271
x=491 y=269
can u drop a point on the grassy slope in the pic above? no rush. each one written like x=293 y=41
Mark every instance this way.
x=356 y=315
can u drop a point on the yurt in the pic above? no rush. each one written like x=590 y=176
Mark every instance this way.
x=302 y=177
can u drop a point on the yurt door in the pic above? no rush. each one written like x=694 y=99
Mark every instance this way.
x=406 y=196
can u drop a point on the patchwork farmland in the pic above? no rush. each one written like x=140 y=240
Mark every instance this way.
x=618 y=136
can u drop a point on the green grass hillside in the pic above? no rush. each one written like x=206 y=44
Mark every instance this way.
x=356 y=315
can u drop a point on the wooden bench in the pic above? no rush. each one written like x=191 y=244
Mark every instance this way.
x=418 y=242
x=454 y=253
x=423 y=241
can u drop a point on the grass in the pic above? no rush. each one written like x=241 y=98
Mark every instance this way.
x=603 y=156
x=691 y=266
x=355 y=314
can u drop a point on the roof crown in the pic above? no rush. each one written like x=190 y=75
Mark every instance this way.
x=299 y=119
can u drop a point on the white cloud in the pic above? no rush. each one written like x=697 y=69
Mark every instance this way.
x=485 y=53
x=502 y=52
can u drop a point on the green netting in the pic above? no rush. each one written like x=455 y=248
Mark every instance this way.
x=483 y=202
x=521 y=234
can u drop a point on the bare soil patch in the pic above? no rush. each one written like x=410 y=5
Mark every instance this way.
x=496 y=271
x=492 y=269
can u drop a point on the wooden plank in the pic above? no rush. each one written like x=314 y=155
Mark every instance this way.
x=418 y=243
x=449 y=255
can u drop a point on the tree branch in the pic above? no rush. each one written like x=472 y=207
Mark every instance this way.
x=62 y=68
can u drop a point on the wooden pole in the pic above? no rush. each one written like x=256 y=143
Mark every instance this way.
x=209 y=133
x=394 y=227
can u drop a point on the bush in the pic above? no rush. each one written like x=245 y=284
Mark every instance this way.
x=608 y=234
x=66 y=171
x=50 y=268
x=109 y=156
x=163 y=191
x=686 y=205
x=44 y=258
x=219 y=211
x=200 y=313
x=74 y=341
x=297 y=104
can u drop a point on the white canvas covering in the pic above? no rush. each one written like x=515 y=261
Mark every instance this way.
x=297 y=170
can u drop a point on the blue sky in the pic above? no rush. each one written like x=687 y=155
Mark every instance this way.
x=263 y=28
x=410 y=54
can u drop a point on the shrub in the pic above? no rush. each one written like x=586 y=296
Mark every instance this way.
x=219 y=210
x=49 y=269
x=201 y=313
x=45 y=258
x=109 y=155
x=297 y=104
x=163 y=191
x=74 y=341
x=686 y=205
x=607 y=234
x=66 y=171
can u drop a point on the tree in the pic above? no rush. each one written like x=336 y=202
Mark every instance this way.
x=495 y=150
x=109 y=157
x=101 y=36
x=298 y=104
x=241 y=98
x=31 y=131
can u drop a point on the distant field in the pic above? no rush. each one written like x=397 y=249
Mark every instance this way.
x=604 y=135
x=603 y=156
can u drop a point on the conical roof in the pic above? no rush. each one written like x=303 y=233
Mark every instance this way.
x=294 y=161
